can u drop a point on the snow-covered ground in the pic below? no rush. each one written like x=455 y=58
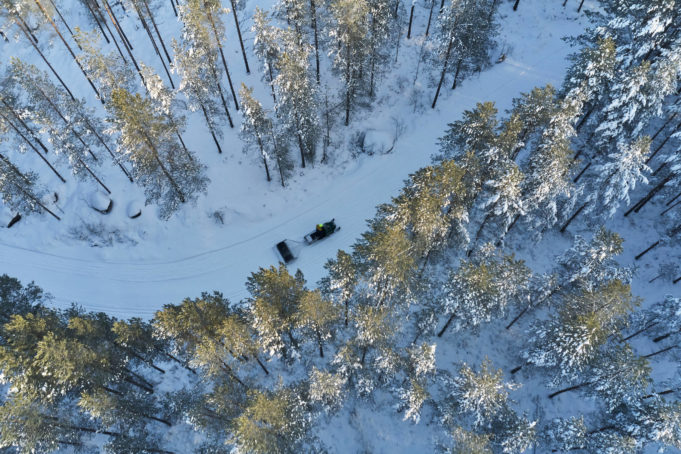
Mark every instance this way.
x=163 y=262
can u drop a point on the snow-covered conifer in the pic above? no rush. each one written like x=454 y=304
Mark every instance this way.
x=349 y=47
x=20 y=190
x=297 y=99
x=316 y=317
x=169 y=176
x=275 y=299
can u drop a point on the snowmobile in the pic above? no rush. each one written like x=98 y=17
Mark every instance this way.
x=321 y=232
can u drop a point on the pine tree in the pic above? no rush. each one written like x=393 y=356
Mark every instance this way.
x=297 y=98
x=569 y=343
x=385 y=255
x=266 y=46
x=380 y=43
x=483 y=288
x=18 y=299
x=480 y=396
x=318 y=316
x=614 y=179
x=275 y=300
x=429 y=205
x=467 y=442
x=349 y=45
x=45 y=116
x=31 y=425
x=20 y=191
x=169 y=176
x=256 y=127
x=206 y=333
x=327 y=389
x=196 y=66
x=273 y=422
x=340 y=280
x=464 y=40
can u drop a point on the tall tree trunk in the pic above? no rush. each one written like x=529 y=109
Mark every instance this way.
x=113 y=37
x=641 y=203
x=224 y=60
x=97 y=21
x=571 y=388
x=444 y=71
x=172 y=181
x=313 y=19
x=210 y=127
x=430 y=16
x=263 y=155
x=30 y=144
x=348 y=82
x=572 y=218
x=648 y=249
x=124 y=38
x=174 y=9
x=444 y=328
x=56 y=29
x=411 y=19
x=153 y=23
x=238 y=32
x=302 y=150
x=35 y=46
x=580 y=6
x=103 y=142
x=515 y=5
x=26 y=193
x=153 y=41
x=664 y=142
x=456 y=74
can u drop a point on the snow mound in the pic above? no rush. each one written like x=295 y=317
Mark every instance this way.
x=134 y=209
x=101 y=202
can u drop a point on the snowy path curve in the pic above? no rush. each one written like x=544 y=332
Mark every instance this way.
x=124 y=283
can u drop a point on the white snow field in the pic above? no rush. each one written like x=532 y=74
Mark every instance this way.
x=162 y=262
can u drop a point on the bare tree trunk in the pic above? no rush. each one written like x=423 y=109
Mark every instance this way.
x=222 y=98
x=456 y=74
x=113 y=37
x=647 y=327
x=97 y=21
x=571 y=388
x=56 y=29
x=348 y=75
x=641 y=203
x=444 y=72
x=648 y=249
x=153 y=42
x=174 y=9
x=659 y=147
x=302 y=150
x=515 y=5
x=224 y=61
x=153 y=23
x=26 y=193
x=264 y=159
x=111 y=153
x=210 y=127
x=35 y=46
x=572 y=218
x=580 y=6
x=650 y=355
x=430 y=16
x=444 y=328
x=411 y=19
x=124 y=38
x=313 y=18
x=25 y=139
x=238 y=32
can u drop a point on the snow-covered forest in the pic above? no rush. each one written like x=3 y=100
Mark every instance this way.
x=506 y=173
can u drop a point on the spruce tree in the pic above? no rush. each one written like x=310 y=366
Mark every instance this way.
x=20 y=191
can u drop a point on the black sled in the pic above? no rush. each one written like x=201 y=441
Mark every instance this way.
x=321 y=232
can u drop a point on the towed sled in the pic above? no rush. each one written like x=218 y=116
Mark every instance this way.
x=322 y=231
